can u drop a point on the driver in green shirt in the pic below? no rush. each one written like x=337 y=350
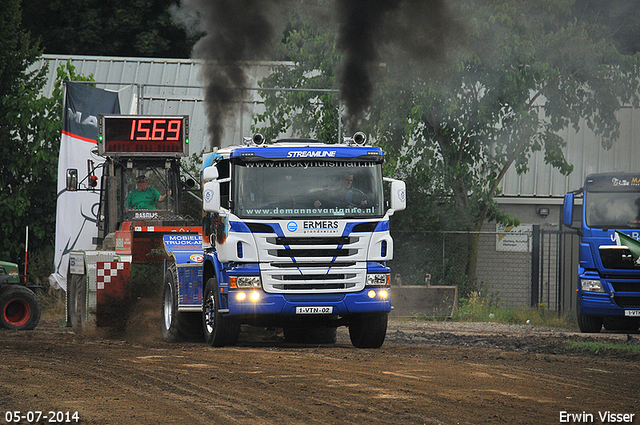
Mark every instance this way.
x=144 y=197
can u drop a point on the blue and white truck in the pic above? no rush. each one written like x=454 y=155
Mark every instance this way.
x=295 y=236
x=609 y=268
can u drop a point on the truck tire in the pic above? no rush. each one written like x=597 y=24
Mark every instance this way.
x=589 y=324
x=314 y=335
x=177 y=326
x=368 y=331
x=218 y=330
x=19 y=308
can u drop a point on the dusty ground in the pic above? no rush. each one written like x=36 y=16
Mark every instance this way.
x=425 y=373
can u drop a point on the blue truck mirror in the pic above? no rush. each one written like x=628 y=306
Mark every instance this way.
x=567 y=210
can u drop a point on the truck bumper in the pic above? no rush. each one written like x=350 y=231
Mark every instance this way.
x=598 y=305
x=371 y=300
x=604 y=304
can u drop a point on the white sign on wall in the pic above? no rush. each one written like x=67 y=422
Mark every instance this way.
x=514 y=238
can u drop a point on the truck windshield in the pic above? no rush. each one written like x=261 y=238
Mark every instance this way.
x=308 y=189
x=613 y=210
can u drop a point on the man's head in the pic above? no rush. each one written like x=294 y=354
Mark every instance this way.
x=347 y=180
x=141 y=182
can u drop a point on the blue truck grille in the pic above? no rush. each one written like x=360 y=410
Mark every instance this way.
x=627 y=302
x=626 y=286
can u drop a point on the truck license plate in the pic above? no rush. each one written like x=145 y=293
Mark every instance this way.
x=314 y=310
x=632 y=313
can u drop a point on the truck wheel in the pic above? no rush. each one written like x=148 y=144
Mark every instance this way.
x=170 y=328
x=589 y=324
x=218 y=330
x=368 y=331
x=19 y=308
x=315 y=335
x=177 y=325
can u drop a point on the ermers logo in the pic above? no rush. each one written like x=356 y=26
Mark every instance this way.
x=311 y=154
x=321 y=224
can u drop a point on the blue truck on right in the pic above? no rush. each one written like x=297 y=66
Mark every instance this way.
x=609 y=267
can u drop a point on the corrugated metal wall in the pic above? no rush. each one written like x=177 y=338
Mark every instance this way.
x=172 y=86
x=164 y=86
x=585 y=152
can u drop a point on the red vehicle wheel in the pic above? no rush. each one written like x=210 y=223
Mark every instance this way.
x=19 y=308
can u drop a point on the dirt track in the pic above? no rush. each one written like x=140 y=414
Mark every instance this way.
x=425 y=373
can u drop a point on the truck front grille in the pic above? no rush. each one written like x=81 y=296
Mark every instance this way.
x=314 y=264
x=626 y=286
x=312 y=252
x=627 y=302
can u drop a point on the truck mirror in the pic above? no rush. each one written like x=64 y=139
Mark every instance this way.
x=398 y=195
x=72 y=179
x=211 y=196
x=567 y=210
x=210 y=173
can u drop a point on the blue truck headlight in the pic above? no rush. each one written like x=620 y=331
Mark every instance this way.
x=591 y=285
x=378 y=279
x=245 y=282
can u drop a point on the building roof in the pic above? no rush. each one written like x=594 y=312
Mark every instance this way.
x=172 y=87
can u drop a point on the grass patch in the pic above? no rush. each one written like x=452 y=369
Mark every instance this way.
x=600 y=347
x=52 y=303
x=482 y=308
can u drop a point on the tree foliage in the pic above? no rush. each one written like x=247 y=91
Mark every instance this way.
x=30 y=129
x=309 y=50
x=517 y=74
x=115 y=28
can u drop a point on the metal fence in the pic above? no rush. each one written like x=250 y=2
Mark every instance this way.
x=531 y=268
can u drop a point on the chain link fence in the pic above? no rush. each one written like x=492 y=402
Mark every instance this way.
x=503 y=269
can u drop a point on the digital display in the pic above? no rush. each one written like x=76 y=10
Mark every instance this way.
x=132 y=135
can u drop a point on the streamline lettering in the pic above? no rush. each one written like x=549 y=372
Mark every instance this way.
x=307 y=164
x=311 y=154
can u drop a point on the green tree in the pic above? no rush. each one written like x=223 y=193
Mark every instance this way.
x=518 y=73
x=309 y=42
x=21 y=146
x=30 y=129
x=143 y=28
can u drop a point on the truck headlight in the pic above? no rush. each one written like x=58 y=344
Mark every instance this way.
x=245 y=282
x=378 y=279
x=591 y=285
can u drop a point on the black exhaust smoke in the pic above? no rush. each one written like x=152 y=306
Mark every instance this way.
x=408 y=29
x=236 y=31
x=241 y=30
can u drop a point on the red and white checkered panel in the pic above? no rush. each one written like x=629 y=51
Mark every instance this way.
x=107 y=271
x=113 y=292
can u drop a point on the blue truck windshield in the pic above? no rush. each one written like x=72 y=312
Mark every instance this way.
x=303 y=189
x=613 y=210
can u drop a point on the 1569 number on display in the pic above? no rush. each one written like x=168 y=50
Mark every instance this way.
x=36 y=416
